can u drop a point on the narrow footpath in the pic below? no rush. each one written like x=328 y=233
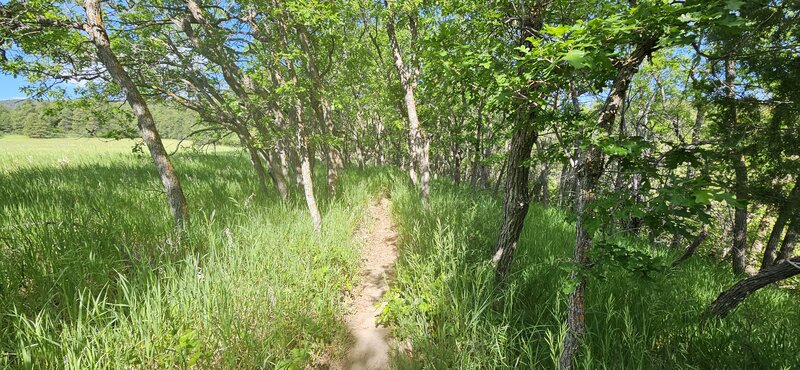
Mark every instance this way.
x=369 y=346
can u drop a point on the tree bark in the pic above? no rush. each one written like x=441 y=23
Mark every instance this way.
x=96 y=31
x=693 y=247
x=322 y=110
x=543 y=180
x=516 y=200
x=278 y=172
x=418 y=143
x=476 y=150
x=306 y=158
x=784 y=213
x=758 y=243
x=517 y=196
x=258 y=166
x=789 y=241
x=728 y=300
x=588 y=177
x=739 y=247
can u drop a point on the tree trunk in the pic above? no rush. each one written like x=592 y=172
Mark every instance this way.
x=569 y=171
x=758 y=244
x=500 y=176
x=516 y=200
x=418 y=143
x=590 y=171
x=95 y=28
x=693 y=247
x=784 y=213
x=739 y=250
x=308 y=184
x=278 y=173
x=517 y=197
x=261 y=172
x=731 y=298
x=542 y=182
x=739 y=247
x=379 y=142
x=322 y=111
x=304 y=150
x=476 y=150
x=789 y=241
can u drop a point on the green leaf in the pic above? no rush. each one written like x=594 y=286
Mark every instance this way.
x=576 y=58
x=702 y=196
x=734 y=4
x=557 y=31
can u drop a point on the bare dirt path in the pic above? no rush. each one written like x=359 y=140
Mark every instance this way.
x=369 y=347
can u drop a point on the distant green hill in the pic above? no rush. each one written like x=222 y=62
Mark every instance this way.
x=88 y=119
x=10 y=103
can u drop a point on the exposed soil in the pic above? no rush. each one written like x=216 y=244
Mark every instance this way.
x=369 y=344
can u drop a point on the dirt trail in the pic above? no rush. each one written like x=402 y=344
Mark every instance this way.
x=369 y=348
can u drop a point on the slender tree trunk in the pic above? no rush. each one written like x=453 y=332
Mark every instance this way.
x=739 y=247
x=784 y=213
x=590 y=170
x=277 y=172
x=308 y=184
x=516 y=200
x=542 y=182
x=304 y=150
x=500 y=176
x=322 y=110
x=731 y=298
x=272 y=157
x=569 y=172
x=517 y=197
x=789 y=241
x=283 y=157
x=771 y=249
x=357 y=140
x=95 y=28
x=419 y=144
x=476 y=150
x=693 y=247
x=379 y=139
x=739 y=255
x=758 y=244
x=261 y=172
x=294 y=160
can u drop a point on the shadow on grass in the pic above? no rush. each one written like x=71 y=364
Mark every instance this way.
x=74 y=229
x=445 y=303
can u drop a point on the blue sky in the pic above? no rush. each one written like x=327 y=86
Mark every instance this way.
x=9 y=87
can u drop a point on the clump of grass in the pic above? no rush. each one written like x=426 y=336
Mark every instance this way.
x=91 y=275
x=445 y=303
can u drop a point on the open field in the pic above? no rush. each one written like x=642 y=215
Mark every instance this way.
x=91 y=274
x=18 y=150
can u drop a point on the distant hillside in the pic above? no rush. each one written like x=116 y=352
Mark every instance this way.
x=86 y=119
x=10 y=103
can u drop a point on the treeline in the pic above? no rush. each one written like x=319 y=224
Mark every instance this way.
x=673 y=122
x=43 y=119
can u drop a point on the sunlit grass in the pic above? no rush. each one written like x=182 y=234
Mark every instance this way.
x=445 y=303
x=91 y=275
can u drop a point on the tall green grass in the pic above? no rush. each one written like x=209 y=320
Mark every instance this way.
x=445 y=304
x=91 y=275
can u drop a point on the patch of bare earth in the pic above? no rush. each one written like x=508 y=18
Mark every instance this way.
x=369 y=343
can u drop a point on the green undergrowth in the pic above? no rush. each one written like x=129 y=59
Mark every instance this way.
x=444 y=301
x=92 y=276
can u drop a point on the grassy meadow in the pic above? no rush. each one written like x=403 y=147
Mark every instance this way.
x=91 y=275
